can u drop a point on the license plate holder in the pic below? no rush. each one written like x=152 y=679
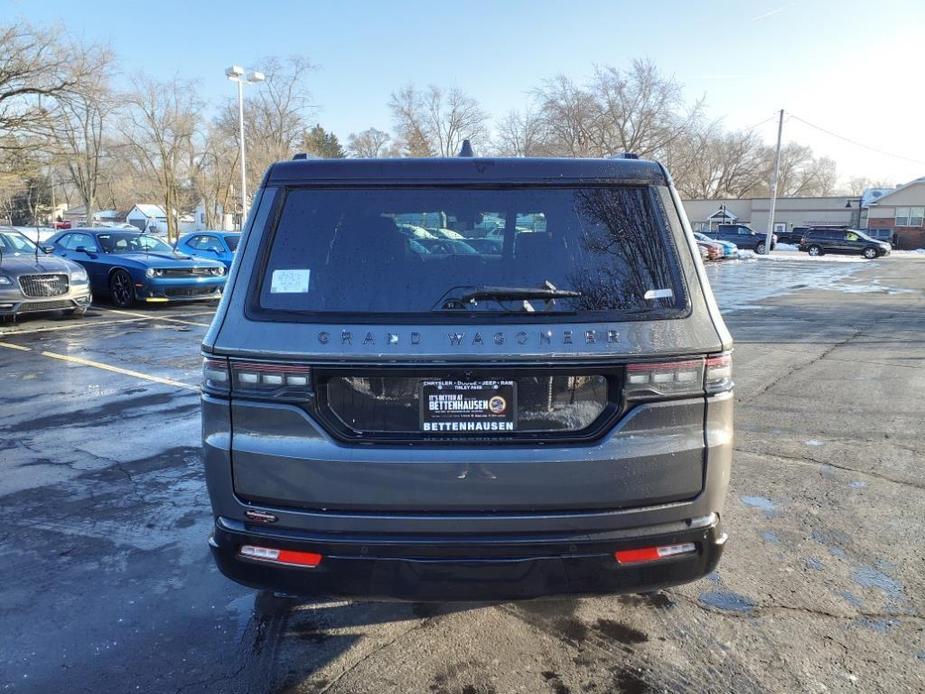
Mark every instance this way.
x=468 y=407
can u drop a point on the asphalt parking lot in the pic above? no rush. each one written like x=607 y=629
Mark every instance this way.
x=107 y=584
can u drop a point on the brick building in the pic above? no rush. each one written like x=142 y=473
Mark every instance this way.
x=903 y=212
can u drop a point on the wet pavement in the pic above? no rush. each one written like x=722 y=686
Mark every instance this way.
x=107 y=584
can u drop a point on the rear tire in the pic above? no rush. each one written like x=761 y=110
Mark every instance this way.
x=870 y=253
x=814 y=250
x=121 y=290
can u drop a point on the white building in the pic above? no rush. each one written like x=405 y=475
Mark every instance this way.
x=199 y=215
x=148 y=217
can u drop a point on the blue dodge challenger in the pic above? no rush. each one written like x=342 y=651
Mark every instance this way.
x=132 y=267
x=218 y=245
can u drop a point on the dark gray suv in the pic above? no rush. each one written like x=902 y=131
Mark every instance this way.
x=389 y=417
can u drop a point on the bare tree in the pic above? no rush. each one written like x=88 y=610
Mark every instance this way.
x=858 y=184
x=369 y=144
x=277 y=112
x=641 y=111
x=78 y=129
x=637 y=110
x=435 y=122
x=213 y=175
x=569 y=115
x=712 y=163
x=160 y=129
x=35 y=64
x=521 y=135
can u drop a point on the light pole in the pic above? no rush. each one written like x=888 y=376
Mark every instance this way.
x=237 y=74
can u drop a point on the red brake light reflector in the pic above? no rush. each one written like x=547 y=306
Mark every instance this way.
x=275 y=555
x=645 y=554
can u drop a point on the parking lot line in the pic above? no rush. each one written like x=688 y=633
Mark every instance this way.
x=149 y=317
x=119 y=370
x=12 y=346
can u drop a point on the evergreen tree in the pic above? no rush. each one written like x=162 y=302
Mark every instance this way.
x=320 y=143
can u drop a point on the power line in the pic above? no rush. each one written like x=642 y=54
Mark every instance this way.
x=773 y=116
x=855 y=142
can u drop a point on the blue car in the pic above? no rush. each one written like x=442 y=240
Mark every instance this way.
x=217 y=245
x=130 y=267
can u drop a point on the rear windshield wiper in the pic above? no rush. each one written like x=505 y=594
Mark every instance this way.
x=468 y=296
x=515 y=293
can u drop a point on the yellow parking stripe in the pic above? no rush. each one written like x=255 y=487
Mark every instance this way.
x=119 y=370
x=9 y=345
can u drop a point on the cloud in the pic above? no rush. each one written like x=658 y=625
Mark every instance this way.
x=771 y=13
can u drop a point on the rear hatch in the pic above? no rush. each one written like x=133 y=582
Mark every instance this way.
x=468 y=349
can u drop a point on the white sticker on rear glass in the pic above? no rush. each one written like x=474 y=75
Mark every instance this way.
x=291 y=281
x=653 y=294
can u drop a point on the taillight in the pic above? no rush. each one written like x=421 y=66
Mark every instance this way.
x=718 y=375
x=215 y=376
x=271 y=380
x=274 y=380
x=664 y=378
x=646 y=554
x=287 y=557
x=679 y=378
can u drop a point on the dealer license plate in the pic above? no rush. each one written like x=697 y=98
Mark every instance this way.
x=468 y=407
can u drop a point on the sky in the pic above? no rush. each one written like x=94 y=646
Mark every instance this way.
x=852 y=68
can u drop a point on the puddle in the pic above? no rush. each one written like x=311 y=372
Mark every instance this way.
x=832 y=540
x=851 y=599
x=771 y=537
x=869 y=577
x=727 y=600
x=760 y=502
x=857 y=484
x=879 y=625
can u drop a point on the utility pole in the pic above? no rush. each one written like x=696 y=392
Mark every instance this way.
x=767 y=238
x=236 y=73
x=241 y=138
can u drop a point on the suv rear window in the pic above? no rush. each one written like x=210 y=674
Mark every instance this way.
x=449 y=252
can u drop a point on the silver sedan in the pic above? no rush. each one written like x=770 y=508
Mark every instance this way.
x=32 y=281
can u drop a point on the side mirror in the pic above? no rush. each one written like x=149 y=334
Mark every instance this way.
x=47 y=249
x=82 y=249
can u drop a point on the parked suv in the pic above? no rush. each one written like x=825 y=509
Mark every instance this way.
x=742 y=236
x=820 y=241
x=551 y=415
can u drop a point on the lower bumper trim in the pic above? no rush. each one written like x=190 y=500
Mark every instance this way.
x=479 y=570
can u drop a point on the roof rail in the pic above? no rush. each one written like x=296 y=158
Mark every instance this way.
x=466 y=149
x=305 y=155
x=623 y=155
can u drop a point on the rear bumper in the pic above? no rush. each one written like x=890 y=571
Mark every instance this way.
x=453 y=568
